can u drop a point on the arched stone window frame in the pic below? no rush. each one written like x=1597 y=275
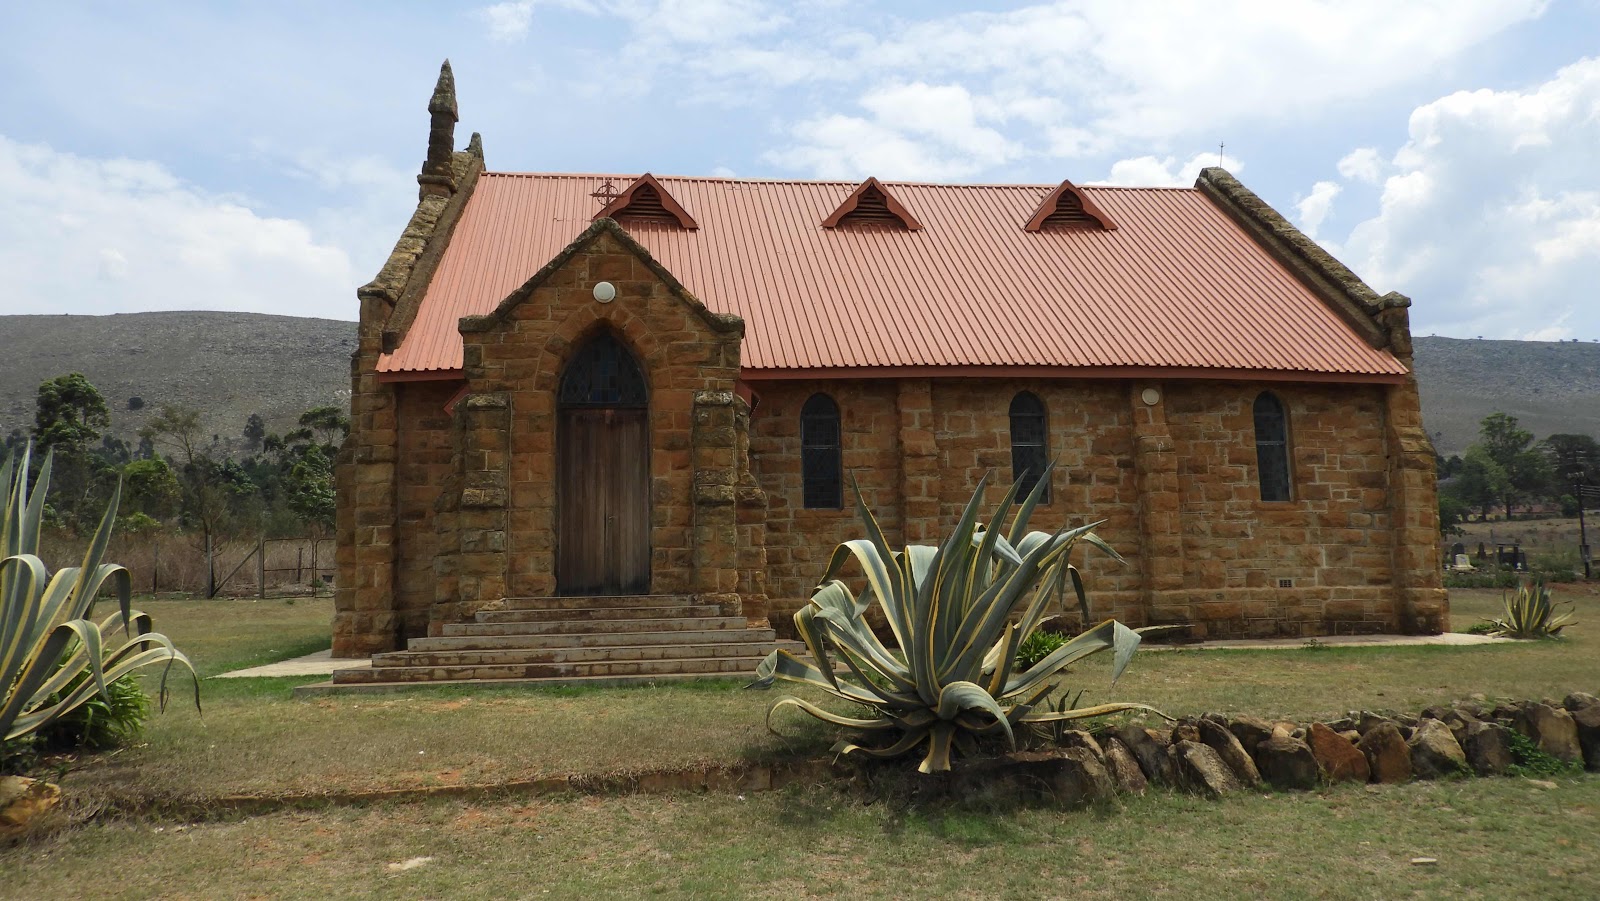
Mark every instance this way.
x=821 y=454
x=1030 y=442
x=1274 y=477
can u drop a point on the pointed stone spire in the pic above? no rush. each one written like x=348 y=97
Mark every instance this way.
x=438 y=175
x=444 y=93
x=475 y=146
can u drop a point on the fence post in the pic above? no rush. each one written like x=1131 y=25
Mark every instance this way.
x=261 y=565
x=299 y=560
x=155 y=571
x=211 y=570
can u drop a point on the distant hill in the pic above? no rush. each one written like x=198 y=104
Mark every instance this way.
x=226 y=365
x=1550 y=387
x=229 y=365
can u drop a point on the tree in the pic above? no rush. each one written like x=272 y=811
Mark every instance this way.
x=1573 y=458
x=176 y=428
x=113 y=450
x=1447 y=468
x=330 y=424
x=310 y=488
x=1509 y=446
x=69 y=417
x=150 y=487
x=67 y=421
x=1452 y=513
x=255 y=429
x=1481 y=481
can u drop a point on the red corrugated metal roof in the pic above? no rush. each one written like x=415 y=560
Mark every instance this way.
x=1178 y=285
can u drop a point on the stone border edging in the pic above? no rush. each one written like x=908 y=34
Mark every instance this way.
x=1209 y=754
x=1218 y=756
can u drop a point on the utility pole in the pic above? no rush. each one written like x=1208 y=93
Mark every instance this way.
x=1577 y=475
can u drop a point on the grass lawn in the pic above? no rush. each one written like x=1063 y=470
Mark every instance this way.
x=1493 y=838
x=254 y=738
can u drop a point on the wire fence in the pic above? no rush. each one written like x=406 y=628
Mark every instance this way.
x=168 y=563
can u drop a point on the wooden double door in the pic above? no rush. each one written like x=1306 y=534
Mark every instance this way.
x=603 y=475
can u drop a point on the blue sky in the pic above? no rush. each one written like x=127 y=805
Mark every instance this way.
x=262 y=157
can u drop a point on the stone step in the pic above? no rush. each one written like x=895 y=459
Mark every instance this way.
x=587 y=639
x=577 y=626
x=594 y=601
x=597 y=613
x=330 y=687
x=424 y=674
x=507 y=656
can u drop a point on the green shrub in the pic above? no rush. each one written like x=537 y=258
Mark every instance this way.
x=1490 y=579
x=102 y=722
x=1038 y=646
x=959 y=614
x=1527 y=759
x=53 y=658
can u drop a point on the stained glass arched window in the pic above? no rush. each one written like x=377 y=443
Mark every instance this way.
x=1272 y=447
x=603 y=373
x=1030 y=432
x=821 y=463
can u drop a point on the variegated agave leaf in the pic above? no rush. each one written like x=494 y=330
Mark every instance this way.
x=958 y=613
x=47 y=639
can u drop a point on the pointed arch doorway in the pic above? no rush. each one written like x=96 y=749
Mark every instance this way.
x=603 y=472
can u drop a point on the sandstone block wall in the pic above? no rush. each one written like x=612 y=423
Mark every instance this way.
x=499 y=537
x=425 y=461
x=1174 y=482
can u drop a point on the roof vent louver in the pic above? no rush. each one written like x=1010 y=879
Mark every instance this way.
x=1067 y=209
x=871 y=206
x=647 y=201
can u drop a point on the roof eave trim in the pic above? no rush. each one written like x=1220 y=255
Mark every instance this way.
x=620 y=203
x=893 y=203
x=1187 y=373
x=722 y=322
x=404 y=314
x=1047 y=207
x=419 y=375
x=1342 y=290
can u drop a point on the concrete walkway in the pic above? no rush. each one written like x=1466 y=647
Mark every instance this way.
x=322 y=663
x=1457 y=639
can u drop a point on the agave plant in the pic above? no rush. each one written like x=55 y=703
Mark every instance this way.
x=953 y=611
x=53 y=657
x=1530 y=613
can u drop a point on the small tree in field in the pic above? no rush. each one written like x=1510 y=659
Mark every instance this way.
x=1509 y=445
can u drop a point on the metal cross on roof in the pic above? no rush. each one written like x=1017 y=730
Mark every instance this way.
x=606 y=193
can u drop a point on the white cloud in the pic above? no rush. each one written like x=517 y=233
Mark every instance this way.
x=1314 y=207
x=1362 y=164
x=912 y=131
x=115 y=235
x=1491 y=220
x=509 y=22
x=851 y=148
x=1166 y=172
x=1063 y=79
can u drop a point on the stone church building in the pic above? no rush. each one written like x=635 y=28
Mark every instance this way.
x=637 y=398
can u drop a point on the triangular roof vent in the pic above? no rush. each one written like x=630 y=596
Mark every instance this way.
x=648 y=201
x=871 y=204
x=1065 y=208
